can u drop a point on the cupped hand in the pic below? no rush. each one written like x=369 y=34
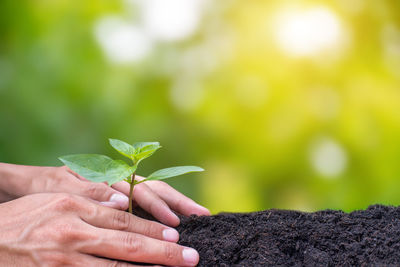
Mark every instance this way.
x=64 y=229
x=156 y=197
x=21 y=180
x=162 y=201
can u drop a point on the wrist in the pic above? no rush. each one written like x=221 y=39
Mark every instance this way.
x=13 y=182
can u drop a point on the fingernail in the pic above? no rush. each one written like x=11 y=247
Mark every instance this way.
x=170 y=235
x=190 y=256
x=120 y=199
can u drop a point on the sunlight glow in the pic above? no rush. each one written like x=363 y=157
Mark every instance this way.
x=171 y=20
x=122 y=42
x=328 y=158
x=306 y=32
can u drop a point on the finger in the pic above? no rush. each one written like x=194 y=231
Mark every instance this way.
x=150 y=202
x=106 y=218
x=88 y=260
x=138 y=248
x=176 y=200
x=101 y=192
x=110 y=204
x=75 y=174
x=63 y=258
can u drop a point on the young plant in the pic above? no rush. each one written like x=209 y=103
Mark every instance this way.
x=100 y=168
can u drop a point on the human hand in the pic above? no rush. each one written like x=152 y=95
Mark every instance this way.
x=65 y=229
x=156 y=197
x=20 y=180
x=161 y=200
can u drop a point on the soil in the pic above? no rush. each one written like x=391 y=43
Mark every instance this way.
x=292 y=238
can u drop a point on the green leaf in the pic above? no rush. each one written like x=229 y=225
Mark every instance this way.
x=142 y=147
x=117 y=171
x=144 y=150
x=172 y=172
x=123 y=148
x=98 y=168
x=136 y=152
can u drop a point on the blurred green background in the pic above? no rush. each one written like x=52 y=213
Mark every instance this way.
x=286 y=104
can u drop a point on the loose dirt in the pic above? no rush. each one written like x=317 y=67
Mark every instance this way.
x=292 y=238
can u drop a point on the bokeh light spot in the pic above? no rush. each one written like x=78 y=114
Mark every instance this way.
x=122 y=42
x=306 y=32
x=328 y=158
x=171 y=20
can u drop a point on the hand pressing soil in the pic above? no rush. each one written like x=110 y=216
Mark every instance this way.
x=292 y=238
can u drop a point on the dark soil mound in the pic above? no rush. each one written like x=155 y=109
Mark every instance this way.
x=292 y=238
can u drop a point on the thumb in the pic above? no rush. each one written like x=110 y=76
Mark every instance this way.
x=106 y=195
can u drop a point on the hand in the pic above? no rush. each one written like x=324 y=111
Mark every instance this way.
x=156 y=197
x=64 y=229
x=19 y=180
x=160 y=200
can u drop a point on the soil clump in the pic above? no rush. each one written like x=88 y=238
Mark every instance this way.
x=292 y=238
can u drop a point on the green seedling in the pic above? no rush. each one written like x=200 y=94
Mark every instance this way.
x=100 y=168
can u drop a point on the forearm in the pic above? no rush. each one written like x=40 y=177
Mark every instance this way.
x=13 y=181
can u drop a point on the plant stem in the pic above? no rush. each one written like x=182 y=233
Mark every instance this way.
x=132 y=184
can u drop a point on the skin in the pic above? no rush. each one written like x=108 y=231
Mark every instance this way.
x=63 y=229
x=52 y=217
